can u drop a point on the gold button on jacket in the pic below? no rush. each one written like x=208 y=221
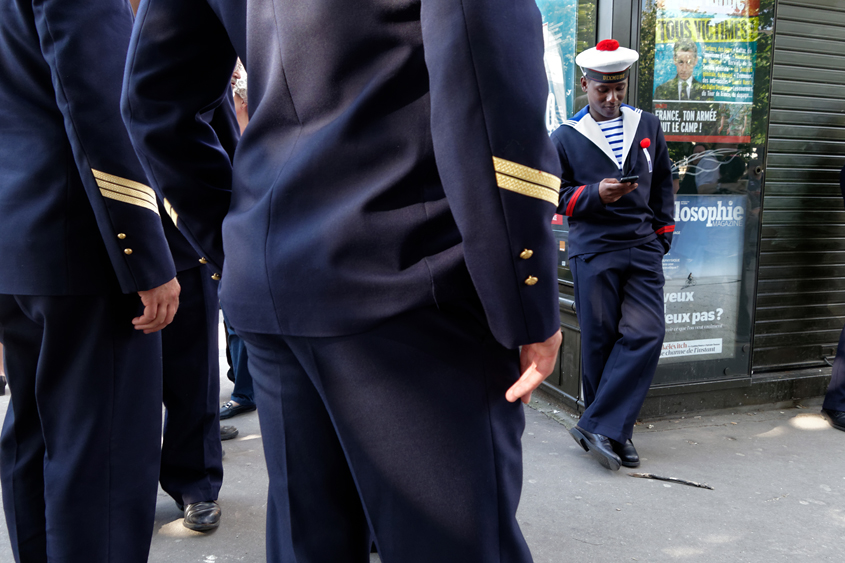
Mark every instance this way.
x=526 y=254
x=531 y=280
x=215 y=277
x=127 y=251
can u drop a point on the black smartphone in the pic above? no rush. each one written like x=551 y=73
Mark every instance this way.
x=629 y=179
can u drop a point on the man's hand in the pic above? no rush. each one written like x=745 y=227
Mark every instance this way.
x=160 y=304
x=611 y=189
x=536 y=362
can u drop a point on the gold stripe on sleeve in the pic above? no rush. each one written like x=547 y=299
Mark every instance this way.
x=130 y=191
x=171 y=212
x=120 y=196
x=527 y=188
x=526 y=174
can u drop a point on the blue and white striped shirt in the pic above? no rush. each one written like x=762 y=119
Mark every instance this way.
x=612 y=130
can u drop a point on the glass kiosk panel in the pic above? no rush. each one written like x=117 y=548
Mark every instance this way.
x=704 y=71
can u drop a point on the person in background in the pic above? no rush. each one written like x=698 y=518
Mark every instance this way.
x=88 y=282
x=242 y=399
x=620 y=226
x=191 y=453
x=239 y=91
x=388 y=248
x=834 y=399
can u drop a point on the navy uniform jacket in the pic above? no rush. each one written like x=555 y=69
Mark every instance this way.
x=75 y=215
x=224 y=122
x=586 y=158
x=401 y=163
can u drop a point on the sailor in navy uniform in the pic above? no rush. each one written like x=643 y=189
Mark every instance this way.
x=80 y=238
x=834 y=399
x=618 y=233
x=191 y=454
x=388 y=247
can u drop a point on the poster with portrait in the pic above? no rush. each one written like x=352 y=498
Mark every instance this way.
x=704 y=60
x=703 y=273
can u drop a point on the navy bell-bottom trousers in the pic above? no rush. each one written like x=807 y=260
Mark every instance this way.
x=403 y=431
x=619 y=303
x=79 y=453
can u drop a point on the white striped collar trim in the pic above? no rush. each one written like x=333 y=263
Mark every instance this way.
x=588 y=127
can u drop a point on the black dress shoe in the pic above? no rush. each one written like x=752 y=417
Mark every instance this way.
x=627 y=453
x=230 y=409
x=837 y=418
x=202 y=516
x=597 y=446
x=228 y=432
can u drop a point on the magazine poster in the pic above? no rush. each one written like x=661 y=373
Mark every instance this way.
x=703 y=271
x=704 y=59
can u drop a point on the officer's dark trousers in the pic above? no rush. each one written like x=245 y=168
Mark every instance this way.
x=191 y=454
x=79 y=454
x=404 y=428
x=619 y=303
x=834 y=399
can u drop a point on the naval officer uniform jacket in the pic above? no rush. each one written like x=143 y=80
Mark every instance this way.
x=80 y=235
x=387 y=247
x=615 y=253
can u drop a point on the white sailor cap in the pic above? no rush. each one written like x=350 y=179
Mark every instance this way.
x=607 y=61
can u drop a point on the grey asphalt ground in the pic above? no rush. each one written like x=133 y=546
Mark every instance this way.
x=778 y=478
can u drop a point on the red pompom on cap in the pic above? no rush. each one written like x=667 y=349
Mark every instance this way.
x=645 y=143
x=607 y=45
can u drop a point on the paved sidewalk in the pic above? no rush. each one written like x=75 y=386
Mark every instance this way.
x=778 y=477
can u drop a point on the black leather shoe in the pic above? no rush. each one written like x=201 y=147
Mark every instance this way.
x=837 y=418
x=202 y=516
x=230 y=409
x=597 y=446
x=627 y=453
x=228 y=432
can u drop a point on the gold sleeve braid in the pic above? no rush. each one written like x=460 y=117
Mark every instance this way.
x=171 y=212
x=126 y=191
x=527 y=181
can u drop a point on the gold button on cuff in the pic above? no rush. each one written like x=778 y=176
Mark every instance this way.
x=203 y=260
x=121 y=236
x=526 y=254
x=127 y=251
x=215 y=277
x=531 y=280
